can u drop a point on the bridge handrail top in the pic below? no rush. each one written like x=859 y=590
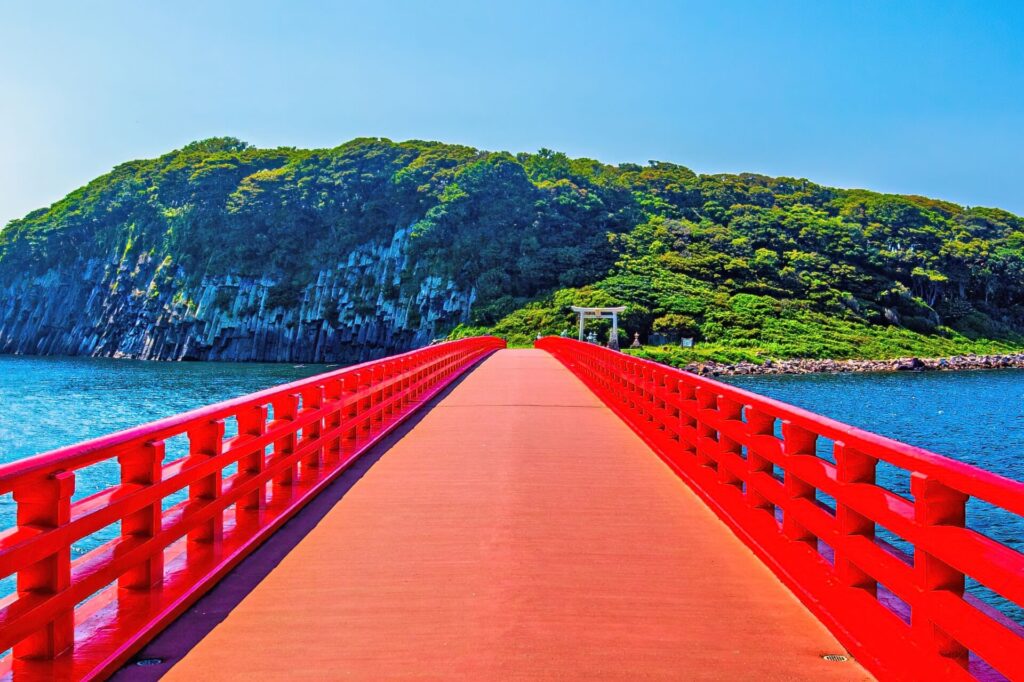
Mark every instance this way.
x=94 y=450
x=973 y=480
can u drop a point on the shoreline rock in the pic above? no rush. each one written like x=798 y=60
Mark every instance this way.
x=955 y=363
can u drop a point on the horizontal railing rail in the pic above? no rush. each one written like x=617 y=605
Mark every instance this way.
x=184 y=523
x=820 y=520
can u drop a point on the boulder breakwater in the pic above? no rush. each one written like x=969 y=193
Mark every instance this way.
x=813 y=366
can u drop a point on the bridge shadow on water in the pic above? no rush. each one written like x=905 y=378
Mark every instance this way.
x=174 y=642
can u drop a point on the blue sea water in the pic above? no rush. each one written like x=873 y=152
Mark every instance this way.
x=48 y=403
x=976 y=417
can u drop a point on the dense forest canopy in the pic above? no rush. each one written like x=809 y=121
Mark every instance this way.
x=762 y=266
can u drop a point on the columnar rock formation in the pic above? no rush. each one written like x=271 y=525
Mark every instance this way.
x=358 y=309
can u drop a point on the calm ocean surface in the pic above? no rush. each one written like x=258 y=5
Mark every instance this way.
x=976 y=417
x=52 y=402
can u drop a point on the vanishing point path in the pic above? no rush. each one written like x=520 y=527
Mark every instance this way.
x=520 y=530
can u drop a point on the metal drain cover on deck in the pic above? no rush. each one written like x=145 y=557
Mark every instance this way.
x=835 y=658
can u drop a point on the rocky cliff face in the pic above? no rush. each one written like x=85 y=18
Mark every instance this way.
x=374 y=303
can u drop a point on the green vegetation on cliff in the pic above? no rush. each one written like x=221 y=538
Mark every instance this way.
x=750 y=266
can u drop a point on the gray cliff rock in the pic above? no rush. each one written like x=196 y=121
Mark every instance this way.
x=373 y=304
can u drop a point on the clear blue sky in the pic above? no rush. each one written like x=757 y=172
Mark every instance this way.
x=924 y=98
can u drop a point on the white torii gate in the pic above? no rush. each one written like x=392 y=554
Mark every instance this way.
x=601 y=314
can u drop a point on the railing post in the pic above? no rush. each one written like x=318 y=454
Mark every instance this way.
x=797 y=441
x=46 y=504
x=252 y=422
x=404 y=368
x=758 y=424
x=687 y=421
x=647 y=384
x=377 y=396
x=936 y=504
x=143 y=467
x=673 y=413
x=332 y=420
x=729 y=410
x=349 y=410
x=407 y=368
x=706 y=400
x=852 y=467
x=366 y=403
x=658 y=401
x=633 y=381
x=286 y=409
x=206 y=441
x=417 y=376
x=389 y=374
x=312 y=399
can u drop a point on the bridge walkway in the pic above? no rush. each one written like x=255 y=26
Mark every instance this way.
x=520 y=530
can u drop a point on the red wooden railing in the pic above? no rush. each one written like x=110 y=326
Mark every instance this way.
x=724 y=442
x=237 y=490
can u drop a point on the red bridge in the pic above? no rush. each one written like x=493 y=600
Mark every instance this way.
x=469 y=512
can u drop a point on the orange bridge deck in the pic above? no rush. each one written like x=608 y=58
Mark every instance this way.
x=520 y=530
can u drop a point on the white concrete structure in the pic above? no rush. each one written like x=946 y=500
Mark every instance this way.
x=601 y=314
